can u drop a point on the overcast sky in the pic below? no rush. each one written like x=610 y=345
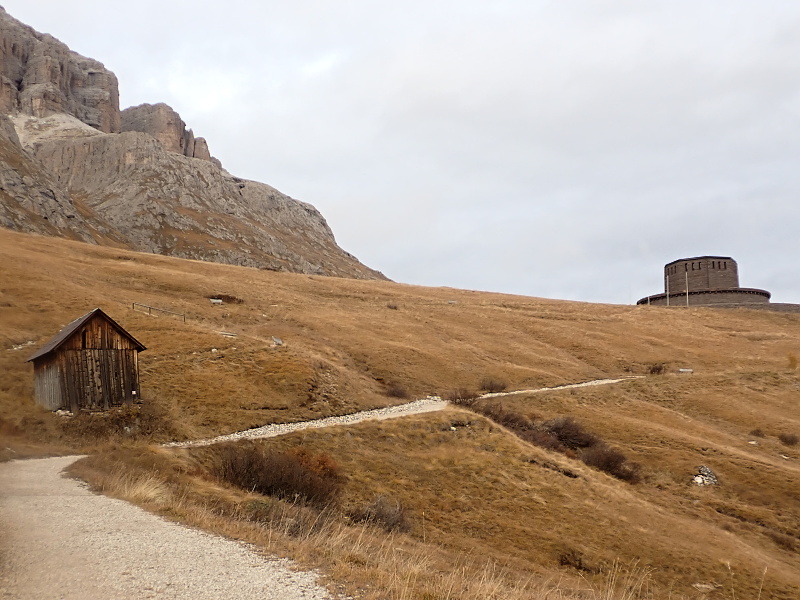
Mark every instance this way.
x=564 y=149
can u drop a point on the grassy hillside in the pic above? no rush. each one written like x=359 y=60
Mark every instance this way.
x=473 y=494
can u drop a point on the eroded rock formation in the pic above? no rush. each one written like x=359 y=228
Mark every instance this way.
x=72 y=164
x=166 y=125
x=41 y=76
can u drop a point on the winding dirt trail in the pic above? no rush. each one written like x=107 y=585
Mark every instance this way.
x=58 y=541
x=423 y=405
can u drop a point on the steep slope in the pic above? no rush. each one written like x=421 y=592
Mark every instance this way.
x=74 y=165
x=30 y=200
x=472 y=491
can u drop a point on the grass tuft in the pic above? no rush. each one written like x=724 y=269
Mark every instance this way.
x=384 y=512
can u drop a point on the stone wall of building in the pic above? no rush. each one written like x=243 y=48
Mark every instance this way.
x=709 y=280
x=738 y=297
x=701 y=273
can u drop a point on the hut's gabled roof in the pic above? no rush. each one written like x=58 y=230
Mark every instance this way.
x=63 y=335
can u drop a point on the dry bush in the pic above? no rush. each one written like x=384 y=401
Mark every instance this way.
x=395 y=390
x=148 y=421
x=574 y=559
x=384 y=512
x=497 y=412
x=293 y=475
x=492 y=385
x=789 y=439
x=570 y=433
x=784 y=541
x=564 y=435
x=543 y=439
x=758 y=433
x=461 y=396
x=523 y=426
x=611 y=461
x=657 y=369
x=392 y=306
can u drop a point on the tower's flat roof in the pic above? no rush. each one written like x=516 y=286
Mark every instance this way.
x=699 y=258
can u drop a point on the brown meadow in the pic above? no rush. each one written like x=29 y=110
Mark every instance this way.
x=488 y=514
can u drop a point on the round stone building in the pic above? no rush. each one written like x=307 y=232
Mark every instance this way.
x=704 y=281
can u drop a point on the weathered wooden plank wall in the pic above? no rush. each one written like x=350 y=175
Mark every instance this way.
x=48 y=385
x=94 y=369
x=100 y=378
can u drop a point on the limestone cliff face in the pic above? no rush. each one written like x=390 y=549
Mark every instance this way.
x=166 y=125
x=40 y=76
x=168 y=203
x=30 y=200
x=72 y=164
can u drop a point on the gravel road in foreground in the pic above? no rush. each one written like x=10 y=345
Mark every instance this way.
x=60 y=541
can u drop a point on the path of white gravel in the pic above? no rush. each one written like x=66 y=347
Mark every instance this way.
x=58 y=541
x=61 y=542
x=429 y=404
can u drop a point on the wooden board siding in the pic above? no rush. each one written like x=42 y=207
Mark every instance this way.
x=91 y=364
x=48 y=385
x=97 y=379
x=98 y=333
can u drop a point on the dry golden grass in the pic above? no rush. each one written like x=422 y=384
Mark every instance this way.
x=490 y=515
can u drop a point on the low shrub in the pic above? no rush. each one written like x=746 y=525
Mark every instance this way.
x=395 y=390
x=574 y=559
x=384 y=512
x=564 y=435
x=293 y=475
x=571 y=433
x=611 y=461
x=789 y=439
x=149 y=420
x=657 y=369
x=493 y=386
x=460 y=396
x=784 y=541
x=497 y=412
x=392 y=306
x=543 y=439
x=758 y=433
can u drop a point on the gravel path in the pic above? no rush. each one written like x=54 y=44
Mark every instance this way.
x=429 y=404
x=58 y=541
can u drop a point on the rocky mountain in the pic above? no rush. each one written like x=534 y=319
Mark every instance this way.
x=72 y=164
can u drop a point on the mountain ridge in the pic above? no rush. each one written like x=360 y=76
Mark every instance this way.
x=72 y=164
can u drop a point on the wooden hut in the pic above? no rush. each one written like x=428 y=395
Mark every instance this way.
x=91 y=364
